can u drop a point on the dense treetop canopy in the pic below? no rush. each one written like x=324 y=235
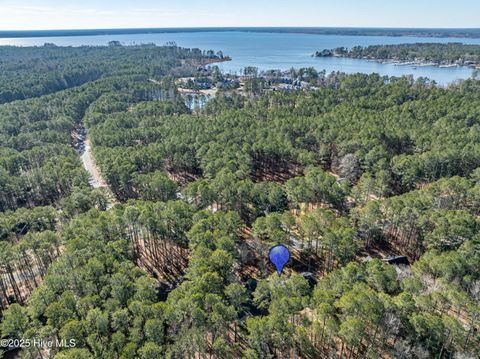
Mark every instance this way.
x=361 y=168
x=437 y=53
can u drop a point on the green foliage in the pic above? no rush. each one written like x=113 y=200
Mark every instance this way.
x=451 y=53
x=364 y=165
x=316 y=186
x=15 y=321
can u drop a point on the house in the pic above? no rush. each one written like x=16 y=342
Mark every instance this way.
x=397 y=260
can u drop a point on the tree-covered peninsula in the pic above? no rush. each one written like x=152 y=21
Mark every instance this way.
x=448 y=54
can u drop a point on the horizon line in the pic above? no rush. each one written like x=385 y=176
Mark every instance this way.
x=318 y=30
x=246 y=27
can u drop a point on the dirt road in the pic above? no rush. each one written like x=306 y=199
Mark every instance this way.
x=96 y=178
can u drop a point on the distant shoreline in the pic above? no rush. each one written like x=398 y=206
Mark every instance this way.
x=346 y=31
x=451 y=54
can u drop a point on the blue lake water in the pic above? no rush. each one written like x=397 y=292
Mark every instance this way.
x=275 y=50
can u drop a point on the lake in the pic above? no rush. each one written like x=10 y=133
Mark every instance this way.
x=275 y=50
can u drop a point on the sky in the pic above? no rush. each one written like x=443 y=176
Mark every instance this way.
x=92 y=14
